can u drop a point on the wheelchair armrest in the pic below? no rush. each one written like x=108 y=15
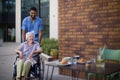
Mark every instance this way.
x=17 y=53
x=16 y=58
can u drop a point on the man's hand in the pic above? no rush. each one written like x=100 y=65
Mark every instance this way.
x=23 y=35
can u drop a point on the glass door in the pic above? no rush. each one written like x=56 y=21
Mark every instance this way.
x=7 y=20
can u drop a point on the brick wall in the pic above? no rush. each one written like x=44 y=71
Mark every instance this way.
x=86 y=25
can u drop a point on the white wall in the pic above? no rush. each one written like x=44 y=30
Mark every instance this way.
x=18 y=20
x=54 y=19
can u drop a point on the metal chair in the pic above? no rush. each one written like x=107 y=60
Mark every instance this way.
x=108 y=55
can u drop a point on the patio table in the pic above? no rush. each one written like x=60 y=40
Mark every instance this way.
x=76 y=68
x=54 y=64
x=106 y=70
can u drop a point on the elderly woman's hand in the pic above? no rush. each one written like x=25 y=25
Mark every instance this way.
x=19 y=53
x=21 y=56
x=30 y=56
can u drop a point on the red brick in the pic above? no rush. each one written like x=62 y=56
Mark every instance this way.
x=87 y=25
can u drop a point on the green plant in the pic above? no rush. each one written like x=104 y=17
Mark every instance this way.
x=49 y=46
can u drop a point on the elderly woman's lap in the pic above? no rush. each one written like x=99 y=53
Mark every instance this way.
x=23 y=67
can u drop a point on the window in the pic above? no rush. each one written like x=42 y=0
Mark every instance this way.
x=44 y=10
x=7 y=20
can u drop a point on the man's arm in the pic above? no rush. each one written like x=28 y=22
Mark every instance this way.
x=40 y=36
x=23 y=35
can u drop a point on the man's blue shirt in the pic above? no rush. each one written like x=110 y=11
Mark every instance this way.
x=34 y=26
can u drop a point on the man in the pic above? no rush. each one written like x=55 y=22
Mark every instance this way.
x=33 y=24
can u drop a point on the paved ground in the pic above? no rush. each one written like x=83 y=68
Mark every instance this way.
x=7 y=57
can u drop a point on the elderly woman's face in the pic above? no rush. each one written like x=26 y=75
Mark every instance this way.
x=30 y=38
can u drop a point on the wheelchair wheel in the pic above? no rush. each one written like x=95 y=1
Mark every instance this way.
x=14 y=78
x=36 y=71
x=14 y=72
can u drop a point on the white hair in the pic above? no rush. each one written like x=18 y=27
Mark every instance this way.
x=29 y=33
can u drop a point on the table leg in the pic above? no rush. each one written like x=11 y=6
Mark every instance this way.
x=47 y=72
x=78 y=75
x=74 y=75
x=52 y=73
x=42 y=66
x=99 y=77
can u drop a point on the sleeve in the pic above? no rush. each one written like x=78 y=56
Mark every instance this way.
x=41 y=25
x=21 y=47
x=38 y=46
x=24 y=24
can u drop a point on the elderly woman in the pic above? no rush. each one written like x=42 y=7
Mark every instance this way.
x=27 y=56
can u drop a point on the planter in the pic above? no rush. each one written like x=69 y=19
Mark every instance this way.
x=50 y=47
x=54 y=53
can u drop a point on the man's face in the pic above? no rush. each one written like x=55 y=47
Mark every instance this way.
x=33 y=13
x=30 y=38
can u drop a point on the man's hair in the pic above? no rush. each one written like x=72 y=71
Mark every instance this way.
x=33 y=8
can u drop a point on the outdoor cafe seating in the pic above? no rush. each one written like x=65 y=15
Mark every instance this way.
x=109 y=56
x=105 y=69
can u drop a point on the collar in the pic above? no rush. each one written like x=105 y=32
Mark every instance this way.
x=26 y=42
x=30 y=19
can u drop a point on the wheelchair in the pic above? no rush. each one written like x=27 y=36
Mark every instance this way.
x=36 y=71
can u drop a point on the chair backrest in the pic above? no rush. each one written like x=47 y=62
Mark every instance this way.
x=110 y=54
